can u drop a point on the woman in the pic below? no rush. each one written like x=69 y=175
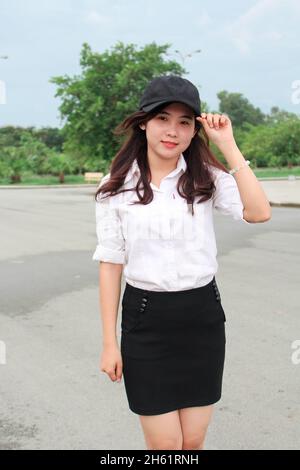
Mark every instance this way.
x=154 y=218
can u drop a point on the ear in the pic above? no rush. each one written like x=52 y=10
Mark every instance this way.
x=142 y=126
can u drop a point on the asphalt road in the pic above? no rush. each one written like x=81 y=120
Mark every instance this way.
x=53 y=395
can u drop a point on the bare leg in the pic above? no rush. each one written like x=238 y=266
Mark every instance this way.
x=194 y=424
x=162 y=431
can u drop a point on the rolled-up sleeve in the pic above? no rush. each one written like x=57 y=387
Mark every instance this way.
x=227 y=199
x=111 y=243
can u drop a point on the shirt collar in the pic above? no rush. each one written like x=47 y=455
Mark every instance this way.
x=134 y=169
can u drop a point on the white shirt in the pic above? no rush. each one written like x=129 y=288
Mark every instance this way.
x=162 y=246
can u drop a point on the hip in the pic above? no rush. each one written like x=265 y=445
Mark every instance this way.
x=171 y=310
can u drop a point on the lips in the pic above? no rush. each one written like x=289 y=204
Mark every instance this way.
x=169 y=145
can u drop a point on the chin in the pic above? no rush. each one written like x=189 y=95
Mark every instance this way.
x=170 y=152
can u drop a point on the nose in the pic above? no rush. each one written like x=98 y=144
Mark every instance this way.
x=171 y=133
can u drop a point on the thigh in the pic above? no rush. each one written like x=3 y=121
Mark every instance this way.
x=162 y=431
x=194 y=422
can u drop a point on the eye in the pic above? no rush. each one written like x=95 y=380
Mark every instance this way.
x=183 y=122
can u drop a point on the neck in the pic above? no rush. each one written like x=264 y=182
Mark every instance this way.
x=161 y=165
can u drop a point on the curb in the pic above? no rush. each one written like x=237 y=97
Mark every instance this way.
x=280 y=178
x=285 y=204
x=94 y=186
x=54 y=186
x=89 y=185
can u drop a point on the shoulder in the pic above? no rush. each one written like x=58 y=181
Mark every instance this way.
x=104 y=179
x=224 y=182
x=217 y=172
x=107 y=199
x=102 y=197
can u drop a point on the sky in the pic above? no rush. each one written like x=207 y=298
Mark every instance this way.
x=247 y=46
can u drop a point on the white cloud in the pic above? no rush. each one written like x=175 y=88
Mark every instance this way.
x=252 y=25
x=203 y=19
x=273 y=36
x=96 y=18
x=258 y=10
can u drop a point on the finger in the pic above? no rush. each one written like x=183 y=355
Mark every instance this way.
x=112 y=375
x=202 y=118
x=223 y=121
x=209 y=119
x=203 y=122
x=119 y=371
x=216 y=119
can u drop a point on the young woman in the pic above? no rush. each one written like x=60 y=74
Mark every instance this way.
x=154 y=214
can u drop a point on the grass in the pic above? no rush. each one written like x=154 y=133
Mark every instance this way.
x=45 y=180
x=79 y=179
x=271 y=172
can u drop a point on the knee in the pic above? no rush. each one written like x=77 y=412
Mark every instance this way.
x=167 y=444
x=194 y=443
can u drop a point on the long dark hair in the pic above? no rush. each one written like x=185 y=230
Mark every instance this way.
x=196 y=181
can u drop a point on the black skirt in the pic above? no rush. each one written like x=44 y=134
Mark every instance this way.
x=173 y=348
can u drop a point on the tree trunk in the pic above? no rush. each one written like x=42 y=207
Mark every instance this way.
x=15 y=178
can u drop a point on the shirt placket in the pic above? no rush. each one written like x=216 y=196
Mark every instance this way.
x=168 y=195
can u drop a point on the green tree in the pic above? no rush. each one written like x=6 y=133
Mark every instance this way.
x=286 y=142
x=60 y=164
x=13 y=163
x=239 y=109
x=52 y=137
x=10 y=136
x=278 y=115
x=256 y=145
x=276 y=145
x=36 y=154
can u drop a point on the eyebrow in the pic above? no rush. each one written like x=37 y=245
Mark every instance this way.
x=184 y=116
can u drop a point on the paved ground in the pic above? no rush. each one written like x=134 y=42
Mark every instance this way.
x=283 y=192
x=53 y=395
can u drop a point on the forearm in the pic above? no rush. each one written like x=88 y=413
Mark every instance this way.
x=256 y=204
x=110 y=275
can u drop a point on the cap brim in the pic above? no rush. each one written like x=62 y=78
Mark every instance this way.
x=152 y=106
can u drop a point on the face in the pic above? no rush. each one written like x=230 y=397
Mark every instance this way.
x=174 y=123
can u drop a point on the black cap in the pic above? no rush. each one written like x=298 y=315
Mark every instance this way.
x=170 y=88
